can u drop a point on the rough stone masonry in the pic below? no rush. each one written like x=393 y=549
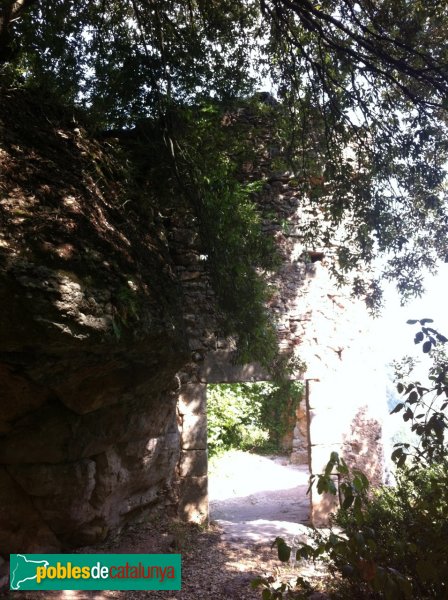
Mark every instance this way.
x=108 y=339
x=317 y=322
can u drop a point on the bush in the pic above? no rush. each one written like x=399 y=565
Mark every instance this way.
x=233 y=418
x=398 y=547
x=390 y=544
x=250 y=415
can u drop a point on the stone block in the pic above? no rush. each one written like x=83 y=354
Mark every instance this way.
x=328 y=427
x=194 y=432
x=322 y=505
x=325 y=393
x=193 y=503
x=192 y=399
x=193 y=463
x=23 y=396
x=52 y=480
x=220 y=367
x=299 y=457
x=22 y=527
x=55 y=434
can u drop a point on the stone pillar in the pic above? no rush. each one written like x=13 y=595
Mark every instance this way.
x=325 y=434
x=300 y=444
x=192 y=408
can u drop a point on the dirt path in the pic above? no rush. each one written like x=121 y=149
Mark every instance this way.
x=256 y=498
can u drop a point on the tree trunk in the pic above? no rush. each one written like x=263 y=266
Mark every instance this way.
x=10 y=10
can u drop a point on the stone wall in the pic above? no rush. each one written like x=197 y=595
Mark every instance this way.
x=90 y=340
x=316 y=322
x=109 y=335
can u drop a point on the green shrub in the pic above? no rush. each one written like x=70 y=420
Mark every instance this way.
x=390 y=544
x=233 y=417
x=250 y=415
x=400 y=542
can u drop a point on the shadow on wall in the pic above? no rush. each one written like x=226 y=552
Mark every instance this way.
x=192 y=466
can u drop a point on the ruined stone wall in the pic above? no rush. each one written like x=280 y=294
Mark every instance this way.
x=316 y=322
x=109 y=335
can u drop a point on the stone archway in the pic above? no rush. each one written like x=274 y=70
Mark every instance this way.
x=192 y=416
x=342 y=410
x=192 y=469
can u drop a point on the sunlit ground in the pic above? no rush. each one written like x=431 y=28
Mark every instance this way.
x=240 y=473
x=257 y=498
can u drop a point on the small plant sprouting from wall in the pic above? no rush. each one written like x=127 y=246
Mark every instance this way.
x=250 y=416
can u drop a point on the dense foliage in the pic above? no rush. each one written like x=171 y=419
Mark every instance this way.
x=200 y=169
x=250 y=416
x=390 y=543
x=362 y=90
x=398 y=548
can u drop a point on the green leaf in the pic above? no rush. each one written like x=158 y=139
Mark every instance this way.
x=357 y=509
x=266 y=595
x=257 y=582
x=401 y=461
x=427 y=347
x=408 y=414
x=364 y=479
x=348 y=501
x=343 y=468
x=413 y=397
x=283 y=550
x=284 y=553
x=357 y=484
x=397 y=454
x=418 y=337
x=321 y=485
x=331 y=487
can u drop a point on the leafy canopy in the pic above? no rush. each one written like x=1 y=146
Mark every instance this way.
x=363 y=97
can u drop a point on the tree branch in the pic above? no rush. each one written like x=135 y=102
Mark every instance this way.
x=10 y=11
x=371 y=48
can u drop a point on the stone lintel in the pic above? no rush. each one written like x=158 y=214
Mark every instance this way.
x=220 y=367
